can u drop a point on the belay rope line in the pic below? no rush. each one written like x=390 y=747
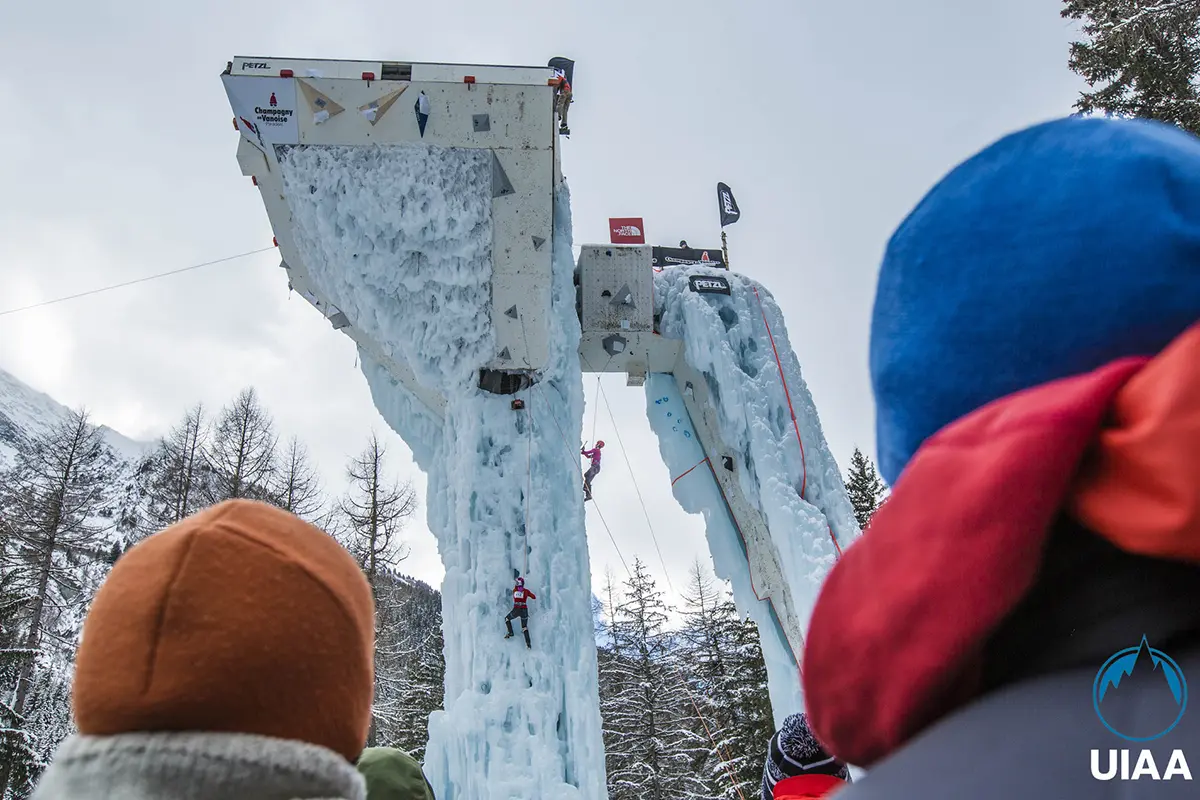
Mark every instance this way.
x=580 y=483
x=674 y=670
x=792 y=411
x=529 y=484
x=645 y=511
x=596 y=402
x=135 y=281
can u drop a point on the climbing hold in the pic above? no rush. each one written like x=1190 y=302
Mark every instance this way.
x=501 y=185
x=374 y=110
x=518 y=404
x=512 y=313
x=421 y=107
x=481 y=122
x=538 y=242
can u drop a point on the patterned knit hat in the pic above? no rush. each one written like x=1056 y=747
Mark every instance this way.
x=795 y=751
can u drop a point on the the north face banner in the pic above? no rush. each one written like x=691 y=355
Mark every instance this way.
x=626 y=230
x=663 y=257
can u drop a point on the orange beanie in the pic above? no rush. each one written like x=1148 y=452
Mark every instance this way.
x=239 y=619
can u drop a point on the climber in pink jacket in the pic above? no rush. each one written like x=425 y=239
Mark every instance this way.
x=593 y=470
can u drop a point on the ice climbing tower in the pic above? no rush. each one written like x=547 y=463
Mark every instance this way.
x=420 y=209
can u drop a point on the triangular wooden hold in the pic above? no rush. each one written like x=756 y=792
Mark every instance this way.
x=505 y=355
x=322 y=105
x=374 y=110
x=501 y=185
x=538 y=241
x=512 y=312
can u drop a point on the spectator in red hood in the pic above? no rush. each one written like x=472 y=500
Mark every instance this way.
x=798 y=768
x=1028 y=599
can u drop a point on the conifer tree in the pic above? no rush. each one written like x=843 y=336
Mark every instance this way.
x=173 y=475
x=373 y=513
x=411 y=670
x=865 y=487
x=54 y=502
x=19 y=759
x=651 y=744
x=296 y=487
x=729 y=680
x=1140 y=59
x=242 y=451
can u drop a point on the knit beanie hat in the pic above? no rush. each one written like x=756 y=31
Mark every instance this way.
x=794 y=750
x=393 y=774
x=240 y=619
x=1055 y=251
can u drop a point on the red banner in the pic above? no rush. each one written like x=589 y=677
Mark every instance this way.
x=626 y=230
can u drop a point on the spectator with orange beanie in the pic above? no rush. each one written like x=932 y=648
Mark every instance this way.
x=229 y=656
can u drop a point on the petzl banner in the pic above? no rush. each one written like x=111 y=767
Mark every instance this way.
x=729 y=207
x=709 y=284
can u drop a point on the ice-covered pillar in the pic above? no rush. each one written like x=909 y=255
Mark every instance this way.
x=776 y=524
x=517 y=722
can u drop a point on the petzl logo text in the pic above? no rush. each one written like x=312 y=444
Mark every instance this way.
x=1140 y=694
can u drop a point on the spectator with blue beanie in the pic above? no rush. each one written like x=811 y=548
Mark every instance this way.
x=1035 y=360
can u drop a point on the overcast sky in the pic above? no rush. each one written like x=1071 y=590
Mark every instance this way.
x=829 y=120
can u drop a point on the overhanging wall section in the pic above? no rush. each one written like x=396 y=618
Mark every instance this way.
x=512 y=118
x=515 y=122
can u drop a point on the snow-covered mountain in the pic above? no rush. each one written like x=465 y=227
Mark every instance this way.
x=26 y=413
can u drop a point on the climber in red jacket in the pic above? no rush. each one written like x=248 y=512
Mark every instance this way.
x=519 y=609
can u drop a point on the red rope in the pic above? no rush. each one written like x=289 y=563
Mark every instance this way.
x=698 y=463
x=720 y=752
x=792 y=411
x=750 y=572
x=786 y=393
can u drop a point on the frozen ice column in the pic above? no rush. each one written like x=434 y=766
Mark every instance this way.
x=414 y=207
x=722 y=384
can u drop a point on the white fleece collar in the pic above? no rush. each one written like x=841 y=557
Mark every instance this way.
x=197 y=766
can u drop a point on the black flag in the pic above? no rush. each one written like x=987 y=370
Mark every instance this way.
x=729 y=207
x=566 y=66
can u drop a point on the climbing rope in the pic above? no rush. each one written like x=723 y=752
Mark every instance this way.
x=572 y=451
x=133 y=282
x=529 y=484
x=792 y=411
x=712 y=739
x=645 y=511
x=678 y=676
x=688 y=472
x=596 y=402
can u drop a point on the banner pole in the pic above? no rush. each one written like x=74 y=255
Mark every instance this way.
x=725 y=248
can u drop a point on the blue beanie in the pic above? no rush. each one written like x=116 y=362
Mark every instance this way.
x=1055 y=251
